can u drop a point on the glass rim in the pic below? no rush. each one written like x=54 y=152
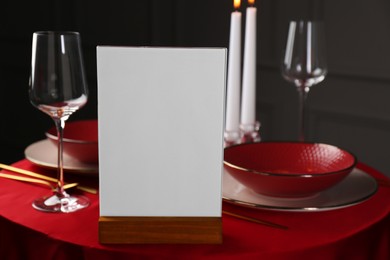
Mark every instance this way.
x=56 y=33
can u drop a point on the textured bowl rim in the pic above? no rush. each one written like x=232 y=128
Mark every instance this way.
x=295 y=175
x=55 y=138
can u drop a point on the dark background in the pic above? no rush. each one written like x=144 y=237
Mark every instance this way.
x=350 y=108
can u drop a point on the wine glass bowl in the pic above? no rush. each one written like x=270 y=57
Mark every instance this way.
x=58 y=88
x=304 y=61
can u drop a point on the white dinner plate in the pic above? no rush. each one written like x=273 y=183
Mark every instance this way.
x=355 y=188
x=44 y=153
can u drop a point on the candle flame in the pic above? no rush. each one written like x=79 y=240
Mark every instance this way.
x=251 y=2
x=236 y=4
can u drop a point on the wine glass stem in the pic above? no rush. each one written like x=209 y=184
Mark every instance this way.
x=303 y=91
x=60 y=125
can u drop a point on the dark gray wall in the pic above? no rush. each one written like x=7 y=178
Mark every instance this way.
x=350 y=108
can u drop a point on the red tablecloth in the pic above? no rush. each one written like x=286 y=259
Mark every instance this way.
x=357 y=232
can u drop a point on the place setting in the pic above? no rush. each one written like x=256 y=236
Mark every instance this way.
x=297 y=175
x=294 y=176
x=80 y=148
x=80 y=158
x=58 y=88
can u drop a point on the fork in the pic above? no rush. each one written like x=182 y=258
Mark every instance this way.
x=26 y=179
x=43 y=177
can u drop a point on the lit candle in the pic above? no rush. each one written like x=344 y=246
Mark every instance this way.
x=234 y=72
x=248 y=105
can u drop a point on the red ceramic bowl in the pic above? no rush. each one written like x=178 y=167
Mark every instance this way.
x=80 y=140
x=288 y=169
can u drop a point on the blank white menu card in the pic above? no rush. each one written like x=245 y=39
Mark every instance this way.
x=161 y=116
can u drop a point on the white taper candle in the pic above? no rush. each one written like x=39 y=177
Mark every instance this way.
x=234 y=74
x=248 y=105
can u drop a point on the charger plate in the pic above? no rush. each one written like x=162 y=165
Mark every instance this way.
x=357 y=187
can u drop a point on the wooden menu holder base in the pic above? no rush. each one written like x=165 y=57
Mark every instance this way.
x=160 y=230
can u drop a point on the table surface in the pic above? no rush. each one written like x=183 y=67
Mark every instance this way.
x=361 y=231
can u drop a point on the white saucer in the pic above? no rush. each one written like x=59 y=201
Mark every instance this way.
x=44 y=153
x=355 y=188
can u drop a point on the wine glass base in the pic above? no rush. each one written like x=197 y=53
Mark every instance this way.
x=65 y=204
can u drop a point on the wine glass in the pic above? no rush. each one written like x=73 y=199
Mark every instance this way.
x=304 y=62
x=58 y=88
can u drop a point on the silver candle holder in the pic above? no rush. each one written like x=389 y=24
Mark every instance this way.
x=250 y=132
